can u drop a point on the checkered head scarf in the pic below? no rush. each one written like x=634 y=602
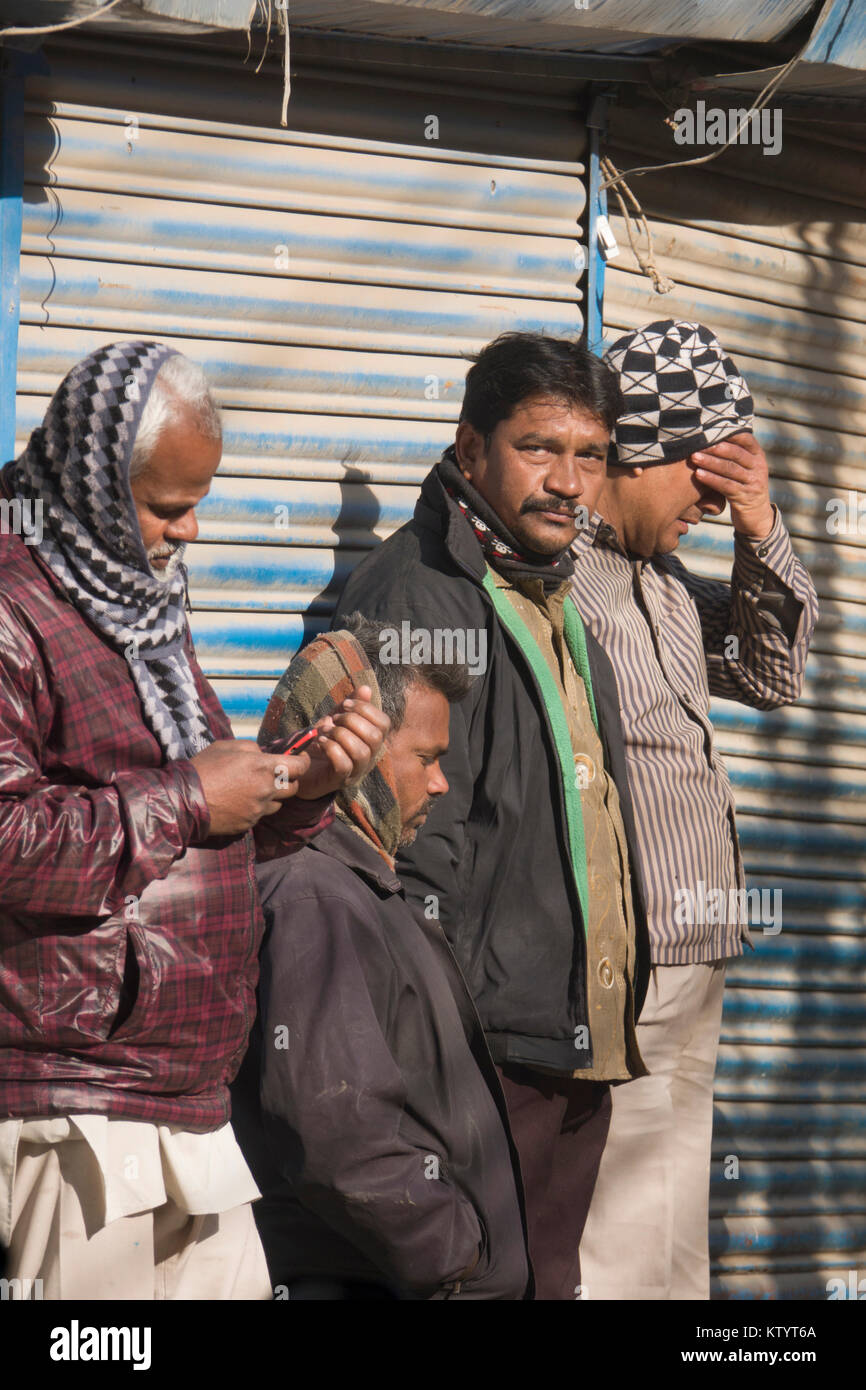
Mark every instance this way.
x=329 y=670
x=77 y=463
x=681 y=393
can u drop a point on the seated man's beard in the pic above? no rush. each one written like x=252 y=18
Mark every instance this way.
x=409 y=832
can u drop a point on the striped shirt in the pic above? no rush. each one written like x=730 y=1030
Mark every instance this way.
x=674 y=640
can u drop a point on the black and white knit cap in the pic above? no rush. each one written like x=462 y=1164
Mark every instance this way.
x=681 y=393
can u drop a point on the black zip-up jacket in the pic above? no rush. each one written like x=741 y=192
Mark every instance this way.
x=368 y=1106
x=494 y=851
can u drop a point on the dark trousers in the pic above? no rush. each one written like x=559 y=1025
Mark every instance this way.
x=560 y=1126
x=319 y=1290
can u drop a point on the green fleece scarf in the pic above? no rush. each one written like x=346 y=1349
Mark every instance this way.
x=575 y=638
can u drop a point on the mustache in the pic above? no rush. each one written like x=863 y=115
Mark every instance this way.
x=163 y=552
x=544 y=505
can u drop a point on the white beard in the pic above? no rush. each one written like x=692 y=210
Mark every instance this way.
x=165 y=576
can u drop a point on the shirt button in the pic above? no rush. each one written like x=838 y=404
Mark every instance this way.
x=605 y=973
x=584 y=770
x=764 y=550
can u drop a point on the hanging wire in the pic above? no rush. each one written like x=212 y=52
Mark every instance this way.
x=254 y=5
x=758 y=104
x=635 y=215
x=54 y=28
x=267 y=36
x=287 y=76
x=282 y=8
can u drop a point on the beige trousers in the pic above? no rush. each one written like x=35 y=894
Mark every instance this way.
x=160 y=1254
x=646 y=1236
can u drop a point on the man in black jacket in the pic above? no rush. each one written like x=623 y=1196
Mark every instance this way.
x=526 y=862
x=368 y=1106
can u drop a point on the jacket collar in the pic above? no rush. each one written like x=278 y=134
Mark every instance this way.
x=437 y=511
x=351 y=848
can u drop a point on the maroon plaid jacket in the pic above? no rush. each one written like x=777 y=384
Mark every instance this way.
x=128 y=940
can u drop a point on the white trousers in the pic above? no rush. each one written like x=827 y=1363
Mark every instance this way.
x=647 y=1236
x=57 y=1251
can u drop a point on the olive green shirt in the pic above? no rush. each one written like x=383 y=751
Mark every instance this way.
x=610 y=929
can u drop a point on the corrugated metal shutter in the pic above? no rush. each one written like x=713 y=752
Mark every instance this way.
x=328 y=278
x=770 y=252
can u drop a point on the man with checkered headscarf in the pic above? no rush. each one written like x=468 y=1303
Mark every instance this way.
x=682 y=449
x=129 y=918
x=378 y=1135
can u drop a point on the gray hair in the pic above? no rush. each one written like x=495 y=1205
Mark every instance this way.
x=394 y=679
x=179 y=389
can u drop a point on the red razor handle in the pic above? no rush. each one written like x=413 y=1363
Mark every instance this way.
x=295 y=743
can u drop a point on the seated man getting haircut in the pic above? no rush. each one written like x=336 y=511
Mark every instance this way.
x=368 y=1106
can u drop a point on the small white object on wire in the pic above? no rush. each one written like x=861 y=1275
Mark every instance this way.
x=607 y=242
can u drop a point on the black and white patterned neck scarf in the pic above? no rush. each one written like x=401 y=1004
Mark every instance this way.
x=77 y=463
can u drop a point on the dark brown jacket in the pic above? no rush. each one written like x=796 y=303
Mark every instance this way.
x=368 y=1107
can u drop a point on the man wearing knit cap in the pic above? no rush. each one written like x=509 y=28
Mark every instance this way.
x=683 y=448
